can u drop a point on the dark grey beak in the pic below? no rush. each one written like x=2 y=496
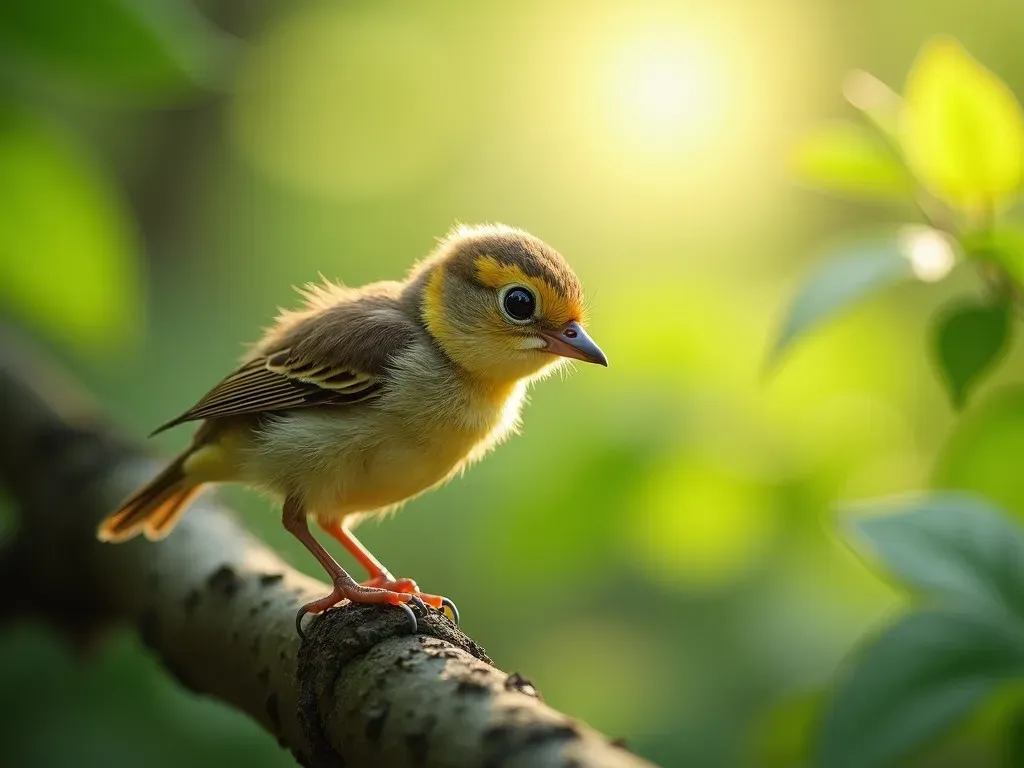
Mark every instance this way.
x=572 y=341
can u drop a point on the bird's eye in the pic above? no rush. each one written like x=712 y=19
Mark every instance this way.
x=519 y=304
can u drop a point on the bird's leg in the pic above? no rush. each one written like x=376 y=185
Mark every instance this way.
x=345 y=587
x=381 y=577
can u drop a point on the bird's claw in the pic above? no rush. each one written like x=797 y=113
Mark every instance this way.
x=446 y=603
x=409 y=587
x=425 y=602
x=298 y=622
x=413 y=599
x=410 y=615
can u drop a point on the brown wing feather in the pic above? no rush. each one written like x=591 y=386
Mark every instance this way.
x=334 y=356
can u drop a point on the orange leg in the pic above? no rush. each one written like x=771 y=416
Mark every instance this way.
x=345 y=587
x=380 y=577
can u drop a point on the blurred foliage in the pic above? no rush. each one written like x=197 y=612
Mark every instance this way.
x=954 y=147
x=77 y=279
x=959 y=135
x=69 y=258
x=657 y=529
x=933 y=666
x=120 y=48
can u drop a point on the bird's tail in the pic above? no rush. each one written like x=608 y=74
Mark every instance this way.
x=155 y=508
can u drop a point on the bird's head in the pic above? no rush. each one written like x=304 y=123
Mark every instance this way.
x=504 y=304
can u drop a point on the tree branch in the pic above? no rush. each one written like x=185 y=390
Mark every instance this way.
x=218 y=607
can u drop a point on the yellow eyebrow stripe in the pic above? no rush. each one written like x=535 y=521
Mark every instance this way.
x=495 y=274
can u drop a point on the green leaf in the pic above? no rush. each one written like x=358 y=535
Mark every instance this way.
x=68 y=252
x=962 y=129
x=851 y=273
x=154 y=48
x=906 y=686
x=968 y=339
x=852 y=159
x=1013 y=746
x=1001 y=246
x=950 y=546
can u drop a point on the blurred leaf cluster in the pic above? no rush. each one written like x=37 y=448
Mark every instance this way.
x=952 y=148
x=70 y=260
x=926 y=672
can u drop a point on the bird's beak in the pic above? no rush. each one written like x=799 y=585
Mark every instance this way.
x=572 y=341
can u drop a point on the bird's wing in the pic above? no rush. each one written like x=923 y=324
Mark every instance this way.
x=336 y=357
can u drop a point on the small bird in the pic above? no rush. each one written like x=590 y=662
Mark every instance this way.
x=367 y=397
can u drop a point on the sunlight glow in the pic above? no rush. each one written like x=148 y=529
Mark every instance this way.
x=668 y=90
x=652 y=116
x=930 y=252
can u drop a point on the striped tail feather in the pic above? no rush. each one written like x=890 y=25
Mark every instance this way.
x=155 y=508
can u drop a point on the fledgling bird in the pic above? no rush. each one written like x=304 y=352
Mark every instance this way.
x=366 y=397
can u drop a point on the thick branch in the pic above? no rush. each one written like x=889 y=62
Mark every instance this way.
x=218 y=608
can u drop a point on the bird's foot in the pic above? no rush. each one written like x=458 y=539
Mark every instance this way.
x=358 y=593
x=409 y=587
x=390 y=583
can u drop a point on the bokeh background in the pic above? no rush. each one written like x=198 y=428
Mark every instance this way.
x=656 y=551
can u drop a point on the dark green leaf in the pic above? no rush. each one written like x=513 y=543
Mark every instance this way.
x=1013 y=747
x=156 y=48
x=68 y=258
x=918 y=677
x=852 y=159
x=850 y=274
x=952 y=546
x=968 y=339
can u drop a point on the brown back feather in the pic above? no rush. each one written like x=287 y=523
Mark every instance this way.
x=327 y=354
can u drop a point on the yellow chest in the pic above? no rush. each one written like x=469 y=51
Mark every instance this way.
x=396 y=470
x=374 y=458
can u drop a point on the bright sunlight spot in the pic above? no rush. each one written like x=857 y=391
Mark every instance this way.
x=930 y=252
x=670 y=114
x=668 y=89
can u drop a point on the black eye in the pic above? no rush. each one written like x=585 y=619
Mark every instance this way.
x=519 y=304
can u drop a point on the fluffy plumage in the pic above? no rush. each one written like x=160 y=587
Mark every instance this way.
x=364 y=398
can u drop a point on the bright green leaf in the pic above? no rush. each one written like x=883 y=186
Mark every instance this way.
x=962 y=129
x=850 y=274
x=154 y=48
x=951 y=546
x=983 y=453
x=968 y=339
x=906 y=686
x=68 y=253
x=852 y=159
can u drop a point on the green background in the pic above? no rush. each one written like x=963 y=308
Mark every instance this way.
x=655 y=551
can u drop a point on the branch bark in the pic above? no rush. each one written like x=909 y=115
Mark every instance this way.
x=218 y=607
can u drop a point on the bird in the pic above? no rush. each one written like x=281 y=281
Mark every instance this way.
x=364 y=398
